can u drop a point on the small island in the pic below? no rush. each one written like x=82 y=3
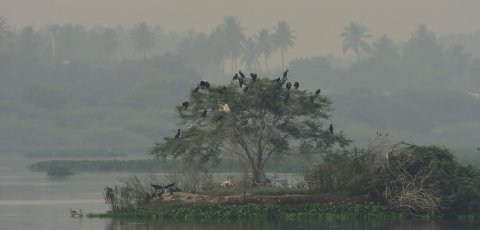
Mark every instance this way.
x=256 y=121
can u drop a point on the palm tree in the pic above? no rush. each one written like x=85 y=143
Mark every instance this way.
x=354 y=37
x=250 y=55
x=283 y=38
x=143 y=38
x=264 y=44
x=233 y=38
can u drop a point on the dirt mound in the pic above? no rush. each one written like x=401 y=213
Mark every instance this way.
x=191 y=198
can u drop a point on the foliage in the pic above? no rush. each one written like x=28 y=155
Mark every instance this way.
x=143 y=38
x=106 y=165
x=415 y=179
x=132 y=193
x=266 y=120
x=354 y=37
x=262 y=211
x=59 y=171
x=74 y=153
x=283 y=38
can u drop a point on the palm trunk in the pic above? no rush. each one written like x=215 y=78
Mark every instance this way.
x=266 y=65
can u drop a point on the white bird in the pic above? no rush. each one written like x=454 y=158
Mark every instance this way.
x=225 y=108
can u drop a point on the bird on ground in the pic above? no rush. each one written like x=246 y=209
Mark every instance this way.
x=169 y=185
x=285 y=75
x=288 y=85
x=296 y=85
x=318 y=92
x=185 y=105
x=204 y=113
x=241 y=74
x=171 y=188
x=235 y=77
x=178 y=134
x=158 y=188
x=330 y=128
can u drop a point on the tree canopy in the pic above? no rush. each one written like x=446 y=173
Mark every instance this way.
x=253 y=120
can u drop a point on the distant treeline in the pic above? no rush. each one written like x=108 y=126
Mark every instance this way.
x=74 y=154
x=152 y=166
x=106 y=165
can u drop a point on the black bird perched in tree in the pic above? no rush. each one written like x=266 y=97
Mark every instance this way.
x=178 y=134
x=285 y=75
x=253 y=76
x=240 y=82
x=330 y=128
x=207 y=85
x=202 y=84
x=296 y=85
x=204 y=113
x=235 y=77
x=241 y=74
x=185 y=105
x=318 y=92
x=288 y=85
x=196 y=89
x=277 y=80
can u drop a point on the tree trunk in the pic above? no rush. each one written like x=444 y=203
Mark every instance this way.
x=258 y=176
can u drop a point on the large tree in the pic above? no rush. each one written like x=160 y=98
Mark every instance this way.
x=283 y=38
x=265 y=120
x=354 y=38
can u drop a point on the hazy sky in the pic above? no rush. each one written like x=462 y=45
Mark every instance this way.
x=317 y=23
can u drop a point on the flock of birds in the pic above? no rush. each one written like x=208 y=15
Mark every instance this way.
x=242 y=82
x=159 y=190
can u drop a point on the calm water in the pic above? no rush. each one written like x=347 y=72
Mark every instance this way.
x=30 y=200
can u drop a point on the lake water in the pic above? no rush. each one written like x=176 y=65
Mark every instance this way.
x=30 y=200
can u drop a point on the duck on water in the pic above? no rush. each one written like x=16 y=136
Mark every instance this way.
x=75 y=214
